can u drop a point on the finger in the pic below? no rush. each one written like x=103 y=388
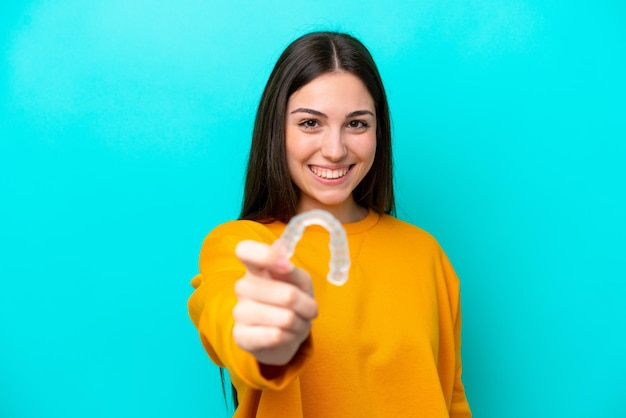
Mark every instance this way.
x=285 y=271
x=260 y=258
x=296 y=276
x=256 y=256
x=255 y=338
x=277 y=293
x=252 y=313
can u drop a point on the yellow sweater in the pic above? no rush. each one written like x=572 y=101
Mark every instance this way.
x=386 y=344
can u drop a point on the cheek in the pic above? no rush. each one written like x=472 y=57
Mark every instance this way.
x=369 y=150
x=291 y=164
x=373 y=148
x=289 y=148
x=298 y=148
x=368 y=154
x=294 y=154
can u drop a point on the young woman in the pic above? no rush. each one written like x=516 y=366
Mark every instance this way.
x=387 y=343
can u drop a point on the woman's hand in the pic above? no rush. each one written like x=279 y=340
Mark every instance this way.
x=275 y=304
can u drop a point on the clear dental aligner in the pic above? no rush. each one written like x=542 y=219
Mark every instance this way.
x=338 y=244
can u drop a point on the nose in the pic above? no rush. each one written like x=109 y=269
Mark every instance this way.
x=333 y=145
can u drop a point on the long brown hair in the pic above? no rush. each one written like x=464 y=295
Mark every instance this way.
x=269 y=193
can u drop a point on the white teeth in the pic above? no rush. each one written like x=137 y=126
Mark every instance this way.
x=328 y=173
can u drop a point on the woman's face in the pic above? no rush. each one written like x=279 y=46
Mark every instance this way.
x=330 y=142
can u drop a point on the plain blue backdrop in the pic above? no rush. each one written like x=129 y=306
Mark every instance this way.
x=124 y=129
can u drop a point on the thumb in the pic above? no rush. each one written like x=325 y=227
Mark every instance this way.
x=257 y=257
x=285 y=271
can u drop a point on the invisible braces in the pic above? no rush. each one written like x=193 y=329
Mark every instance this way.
x=338 y=244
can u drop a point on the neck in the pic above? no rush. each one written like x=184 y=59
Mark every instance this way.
x=345 y=213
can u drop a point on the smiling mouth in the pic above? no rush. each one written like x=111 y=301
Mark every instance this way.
x=330 y=174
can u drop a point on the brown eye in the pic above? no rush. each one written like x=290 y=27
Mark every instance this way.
x=358 y=124
x=309 y=123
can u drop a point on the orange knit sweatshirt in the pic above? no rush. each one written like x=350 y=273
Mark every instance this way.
x=386 y=344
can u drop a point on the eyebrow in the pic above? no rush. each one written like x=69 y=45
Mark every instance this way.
x=322 y=115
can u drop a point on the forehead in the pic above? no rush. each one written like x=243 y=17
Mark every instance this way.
x=333 y=91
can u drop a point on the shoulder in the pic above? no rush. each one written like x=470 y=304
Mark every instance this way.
x=231 y=232
x=239 y=227
x=406 y=233
x=417 y=244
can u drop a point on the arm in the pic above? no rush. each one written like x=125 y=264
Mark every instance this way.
x=251 y=307
x=459 y=406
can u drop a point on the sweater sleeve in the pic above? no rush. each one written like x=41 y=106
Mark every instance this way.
x=459 y=407
x=212 y=302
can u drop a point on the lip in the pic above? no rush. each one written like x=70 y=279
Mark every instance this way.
x=330 y=175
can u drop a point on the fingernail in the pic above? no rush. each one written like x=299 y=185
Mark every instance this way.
x=279 y=248
x=284 y=264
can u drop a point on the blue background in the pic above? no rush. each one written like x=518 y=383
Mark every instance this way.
x=124 y=130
